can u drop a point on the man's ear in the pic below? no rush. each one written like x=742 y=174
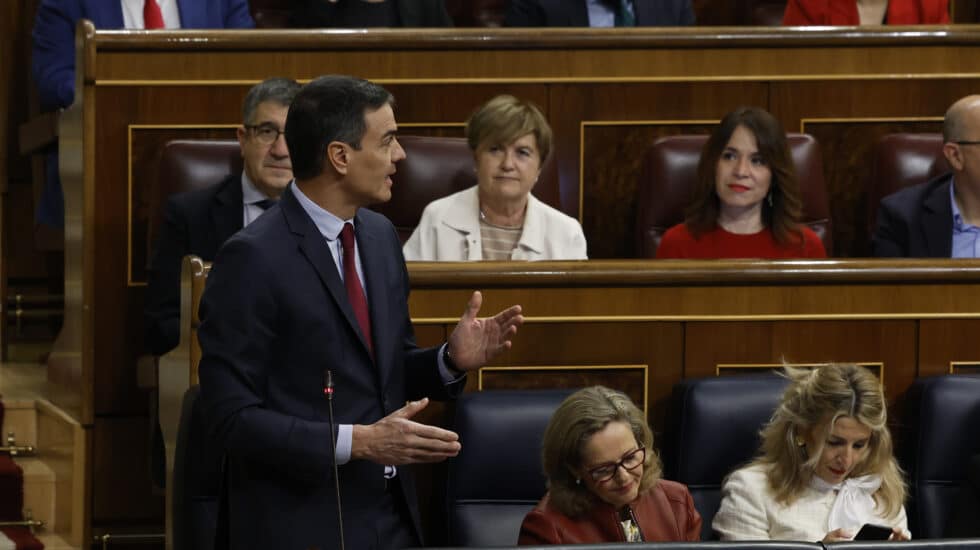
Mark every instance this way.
x=338 y=155
x=952 y=153
x=242 y=135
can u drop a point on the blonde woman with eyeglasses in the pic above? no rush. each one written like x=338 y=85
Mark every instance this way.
x=604 y=480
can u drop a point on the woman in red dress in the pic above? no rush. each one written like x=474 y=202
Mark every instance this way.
x=746 y=200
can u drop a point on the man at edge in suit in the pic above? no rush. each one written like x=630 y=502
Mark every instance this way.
x=317 y=289
x=941 y=217
x=198 y=222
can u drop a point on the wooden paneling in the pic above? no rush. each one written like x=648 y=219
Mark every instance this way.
x=121 y=484
x=600 y=90
x=948 y=346
x=891 y=343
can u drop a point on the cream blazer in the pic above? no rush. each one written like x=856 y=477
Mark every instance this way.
x=450 y=231
x=750 y=512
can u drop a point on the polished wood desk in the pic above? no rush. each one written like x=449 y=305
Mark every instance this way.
x=608 y=94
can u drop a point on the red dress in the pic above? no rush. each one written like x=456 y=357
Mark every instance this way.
x=718 y=243
x=845 y=12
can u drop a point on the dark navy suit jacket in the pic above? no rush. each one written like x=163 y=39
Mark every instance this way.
x=196 y=222
x=916 y=222
x=411 y=13
x=53 y=57
x=566 y=13
x=274 y=317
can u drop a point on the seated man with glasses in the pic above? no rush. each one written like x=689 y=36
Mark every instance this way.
x=941 y=217
x=604 y=481
x=199 y=222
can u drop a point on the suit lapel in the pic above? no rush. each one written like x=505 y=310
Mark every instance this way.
x=192 y=14
x=570 y=14
x=228 y=212
x=373 y=262
x=937 y=222
x=314 y=247
x=106 y=15
x=647 y=13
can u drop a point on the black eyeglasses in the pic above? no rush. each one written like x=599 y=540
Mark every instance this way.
x=630 y=462
x=967 y=142
x=265 y=133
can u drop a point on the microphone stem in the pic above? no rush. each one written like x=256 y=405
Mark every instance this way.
x=336 y=475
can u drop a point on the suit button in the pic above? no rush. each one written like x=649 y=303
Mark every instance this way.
x=387 y=404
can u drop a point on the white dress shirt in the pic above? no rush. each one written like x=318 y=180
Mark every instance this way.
x=133 y=13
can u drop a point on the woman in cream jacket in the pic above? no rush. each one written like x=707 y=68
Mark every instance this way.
x=499 y=218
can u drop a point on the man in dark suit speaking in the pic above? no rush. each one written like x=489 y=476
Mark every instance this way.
x=319 y=284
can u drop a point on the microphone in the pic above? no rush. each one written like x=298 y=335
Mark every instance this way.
x=328 y=392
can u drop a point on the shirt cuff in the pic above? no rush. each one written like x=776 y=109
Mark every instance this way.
x=447 y=375
x=345 y=438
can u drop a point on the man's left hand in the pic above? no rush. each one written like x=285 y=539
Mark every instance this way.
x=475 y=341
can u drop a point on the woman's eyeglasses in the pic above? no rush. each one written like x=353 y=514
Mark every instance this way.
x=266 y=134
x=630 y=462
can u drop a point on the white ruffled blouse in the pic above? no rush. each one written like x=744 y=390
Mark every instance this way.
x=749 y=511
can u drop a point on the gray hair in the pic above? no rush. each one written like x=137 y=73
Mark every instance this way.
x=278 y=90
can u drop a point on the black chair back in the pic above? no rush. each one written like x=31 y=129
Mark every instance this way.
x=713 y=429
x=497 y=477
x=942 y=422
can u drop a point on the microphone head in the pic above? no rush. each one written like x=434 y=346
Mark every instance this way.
x=328 y=383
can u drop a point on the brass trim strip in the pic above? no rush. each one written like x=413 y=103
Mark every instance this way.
x=432 y=125
x=653 y=122
x=130 y=283
x=523 y=368
x=451 y=81
x=833 y=120
x=953 y=365
x=718 y=318
x=581 y=146
x=878 y=365
x=183 y=126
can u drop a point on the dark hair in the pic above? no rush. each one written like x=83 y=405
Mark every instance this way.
x=782 y=218
x=278 y=90
x=329 y=108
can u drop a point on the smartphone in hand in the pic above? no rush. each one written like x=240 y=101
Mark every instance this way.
x=870 y=531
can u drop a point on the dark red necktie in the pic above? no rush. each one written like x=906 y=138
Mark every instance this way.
x=152 y=16
x=355 y=293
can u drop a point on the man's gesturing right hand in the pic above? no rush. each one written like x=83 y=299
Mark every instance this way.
x=396 y=439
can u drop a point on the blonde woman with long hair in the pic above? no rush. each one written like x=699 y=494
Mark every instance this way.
x=826 y=466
